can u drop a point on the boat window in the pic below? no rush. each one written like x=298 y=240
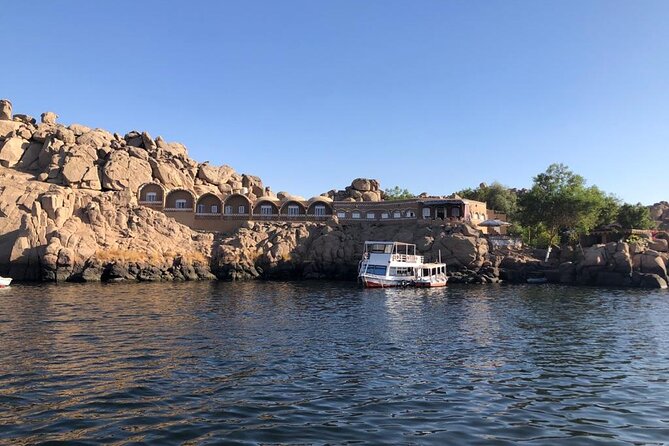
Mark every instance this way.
x=380 y=248
x=355 y=214
x=379 y=270
x=426 y=272
x=401 y=271
x=370 y=215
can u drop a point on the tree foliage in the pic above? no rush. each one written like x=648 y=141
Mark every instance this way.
x=635 y=216
x=397 y=193
x=496 y=196
x=560 y=201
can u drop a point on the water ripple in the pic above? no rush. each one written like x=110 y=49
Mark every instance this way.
x=328 y=363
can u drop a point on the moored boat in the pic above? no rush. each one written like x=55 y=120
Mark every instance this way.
x=392 y=264
x=431 y=275
x=5 y=281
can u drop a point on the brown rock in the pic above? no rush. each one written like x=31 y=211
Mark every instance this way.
x=80 y=168
x=5 y=110
x=170 y=176
x=362 y=184
x=148 y=142
x=25 y=119
x=7 y=127
x=121 y=171
x=79 y=129
x=12 y=151
x=96 y=138
x=49 y=118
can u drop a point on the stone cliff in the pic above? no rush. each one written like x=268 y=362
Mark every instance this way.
x=69 y=211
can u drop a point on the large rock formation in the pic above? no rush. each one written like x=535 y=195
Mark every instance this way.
x=660 y=213
x=361 y=189
x=80 y=157
x=615 y=264
x=57 y=233
x=68 y=211
x=317 y=250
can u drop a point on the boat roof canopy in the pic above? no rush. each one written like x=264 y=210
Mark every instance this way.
x=432 y=265
x=389 y=243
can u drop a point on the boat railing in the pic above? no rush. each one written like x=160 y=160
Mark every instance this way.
x=407 y=258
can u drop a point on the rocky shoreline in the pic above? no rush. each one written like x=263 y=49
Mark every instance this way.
x=69 y=212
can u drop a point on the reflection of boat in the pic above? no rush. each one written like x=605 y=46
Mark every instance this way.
x=5 y=281
x=390 y=264
x=536 y=278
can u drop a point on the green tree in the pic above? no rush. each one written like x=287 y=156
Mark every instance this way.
x=397 y=193
x=560 y=201
x=635 y=216
x=609 y=209
x=496 y=196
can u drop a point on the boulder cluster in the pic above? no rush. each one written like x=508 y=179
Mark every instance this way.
x=641 y=263
x=331 y=250
x=56 y=233
x=69 y=211
x=361 y=189
x=80 y=157
x=659 y=212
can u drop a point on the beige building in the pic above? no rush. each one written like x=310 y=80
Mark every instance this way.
x=213 y=212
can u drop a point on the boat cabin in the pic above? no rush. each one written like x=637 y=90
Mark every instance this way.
x=382 y=253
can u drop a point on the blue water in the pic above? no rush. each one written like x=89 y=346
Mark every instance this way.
x=328 y=363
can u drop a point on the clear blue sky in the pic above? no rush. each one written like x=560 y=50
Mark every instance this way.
x=430 y=95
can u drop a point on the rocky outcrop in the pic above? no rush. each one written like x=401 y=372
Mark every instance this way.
x=616 y=264
x=361 y=189
x=659 y=212
x=80 y=157
x=5 y=110
x=318 y=250
x=57 y=233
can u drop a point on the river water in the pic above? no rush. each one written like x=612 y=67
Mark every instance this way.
x=329 y=363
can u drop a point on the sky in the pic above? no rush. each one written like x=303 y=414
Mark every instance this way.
x=432 y=96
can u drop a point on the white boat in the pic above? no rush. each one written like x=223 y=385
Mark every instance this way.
x=5 y=281
x=392 y=264
x=431 y=275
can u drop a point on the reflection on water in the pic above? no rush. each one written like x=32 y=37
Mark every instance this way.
x=321 y=362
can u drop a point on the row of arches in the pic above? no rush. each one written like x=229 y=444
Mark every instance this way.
x=233 y=204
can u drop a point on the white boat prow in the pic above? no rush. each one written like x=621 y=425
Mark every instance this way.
x=5 y=281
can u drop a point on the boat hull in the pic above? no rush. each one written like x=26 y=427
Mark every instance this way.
x=421 y=284
x=5 y=281
x=379 y=282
